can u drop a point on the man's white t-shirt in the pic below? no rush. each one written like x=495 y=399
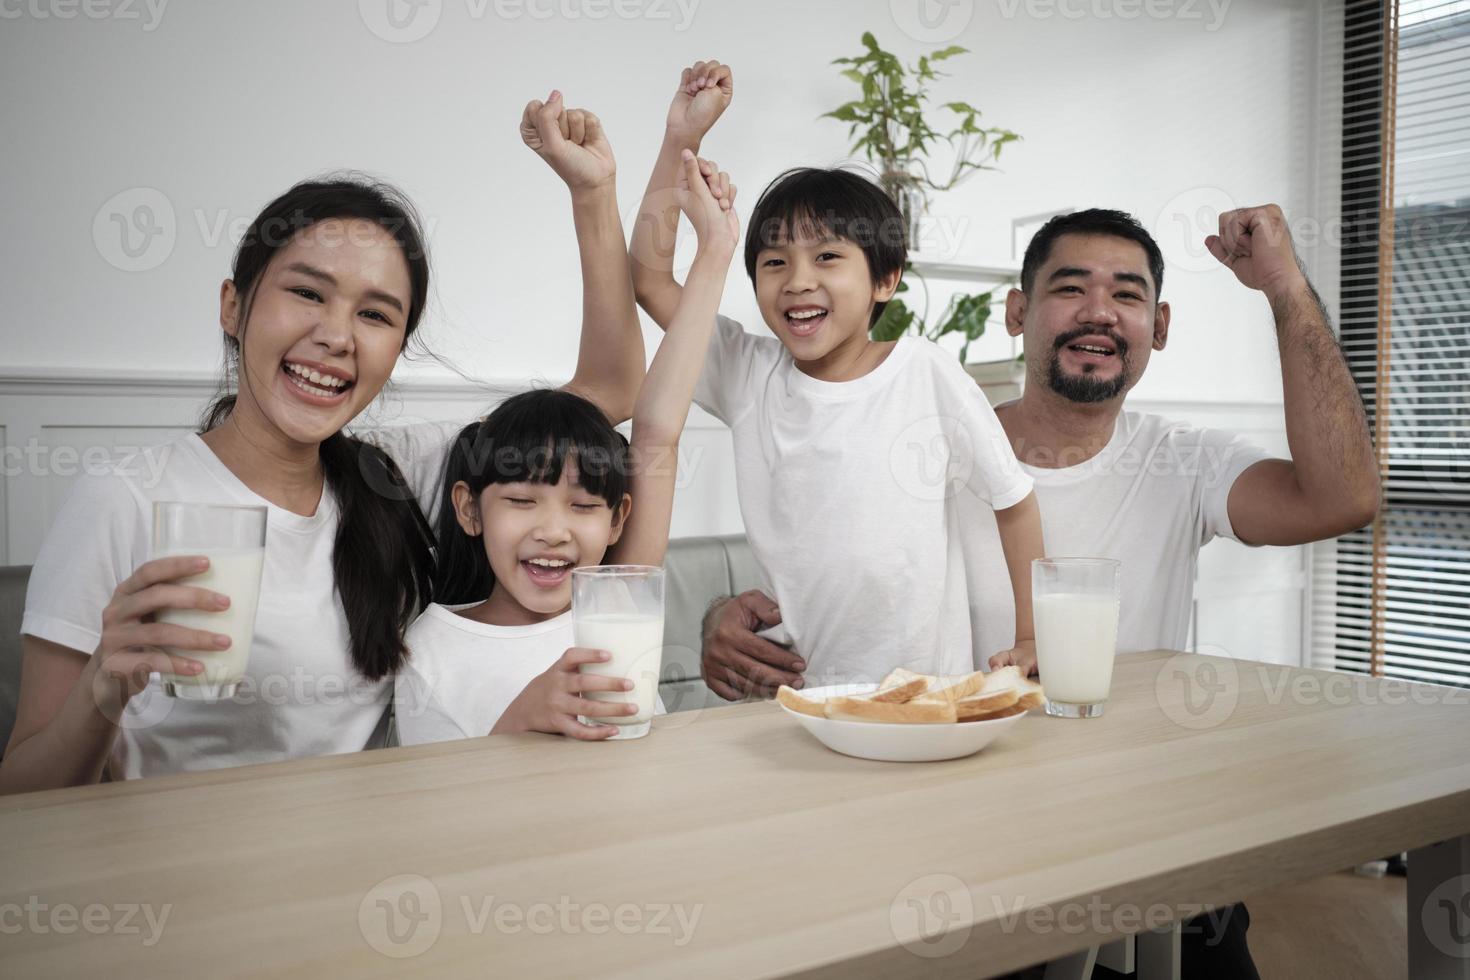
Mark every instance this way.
x=461 y=675
x=845 y=488
x=301 y=695
x=1151 y=498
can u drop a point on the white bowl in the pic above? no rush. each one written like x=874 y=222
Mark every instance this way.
x=897 y=742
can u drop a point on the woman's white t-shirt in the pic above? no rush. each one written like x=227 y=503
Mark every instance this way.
x=461 y=675
x=301 y=695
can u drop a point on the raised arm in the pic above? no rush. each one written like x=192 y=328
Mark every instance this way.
x=663 y=403
x=705 y=90
x=1330 y=484
x=610 y=360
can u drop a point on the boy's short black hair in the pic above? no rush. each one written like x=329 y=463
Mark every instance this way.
x=1093 y=221
x=812 y=201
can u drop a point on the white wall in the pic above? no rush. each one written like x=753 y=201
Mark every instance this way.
x=220 y=106
x=1165 y=108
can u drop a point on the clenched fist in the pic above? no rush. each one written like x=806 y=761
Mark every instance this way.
x=571 y=141
x=705 y=91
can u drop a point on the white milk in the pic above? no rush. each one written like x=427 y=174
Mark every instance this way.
x=636 y=643
x=234 y=572
x=1076 y=640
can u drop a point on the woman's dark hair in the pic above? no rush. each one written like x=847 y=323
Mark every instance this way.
x=1093 y=221
x=529 y=438
x=810 y=201
x=382 y=561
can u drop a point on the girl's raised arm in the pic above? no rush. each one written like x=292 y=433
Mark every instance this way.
x=708 y=198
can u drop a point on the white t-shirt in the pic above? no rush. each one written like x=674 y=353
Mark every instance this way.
x=1151 y=498
x=461 y=675
x=845 y=490
x=301 y=695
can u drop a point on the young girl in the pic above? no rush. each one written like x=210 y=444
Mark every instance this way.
x=542 y=486
x=328 y=287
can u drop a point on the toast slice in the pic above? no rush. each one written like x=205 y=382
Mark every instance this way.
x=1005 y=692
x=907 y=713
x=953 y=688
x=793 y=699
x=986 y=704
x=899 y=686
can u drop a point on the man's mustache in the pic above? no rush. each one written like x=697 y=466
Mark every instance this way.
x=1072 y=336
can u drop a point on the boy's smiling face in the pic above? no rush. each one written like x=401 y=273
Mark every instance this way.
x=816 y=293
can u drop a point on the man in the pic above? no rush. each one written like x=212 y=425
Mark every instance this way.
x=1128 y=485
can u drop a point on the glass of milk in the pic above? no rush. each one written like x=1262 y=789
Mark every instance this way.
x=620 y=609
x=1074 y=602
x=233 y=539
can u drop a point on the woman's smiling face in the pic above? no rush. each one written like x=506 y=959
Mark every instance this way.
x=323 y=329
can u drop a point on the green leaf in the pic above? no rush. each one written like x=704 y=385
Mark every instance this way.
x=948 y=52
x=854 y=75
x=894 y=323
x=870 y=42
x=968 y=317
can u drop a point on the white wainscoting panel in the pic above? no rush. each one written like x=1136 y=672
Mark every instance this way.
x=1250 y=602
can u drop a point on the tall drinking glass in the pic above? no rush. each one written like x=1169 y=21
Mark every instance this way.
x=1075 y=604
x=233 y=539
x=620 y=609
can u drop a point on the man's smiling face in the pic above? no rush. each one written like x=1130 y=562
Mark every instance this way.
x=1090 y=319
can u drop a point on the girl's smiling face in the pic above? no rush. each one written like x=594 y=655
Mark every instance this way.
x=534 y=534
x=321 y=329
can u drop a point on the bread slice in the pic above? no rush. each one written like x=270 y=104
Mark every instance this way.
x=909 y=713
x=1005 y=692
x=953 y=688
x=985 y=704
x=793 y=699
x=1015 y=709
x=900 y=686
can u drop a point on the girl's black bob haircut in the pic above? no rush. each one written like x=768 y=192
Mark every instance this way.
x=529 y=438
x=812 y=202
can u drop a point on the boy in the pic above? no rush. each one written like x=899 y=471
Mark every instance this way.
x=848 y=451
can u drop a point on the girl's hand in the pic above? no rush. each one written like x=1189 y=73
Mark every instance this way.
x=130 y=648
x=705 y=91
x=571 y=141
x=552 y=701
x=707 y=198
x=1022 y=655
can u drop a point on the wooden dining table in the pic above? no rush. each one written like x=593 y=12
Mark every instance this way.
x=730 y=843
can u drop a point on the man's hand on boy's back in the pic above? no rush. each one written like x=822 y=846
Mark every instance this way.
x=705 y=91
x=735 y=662
x=571 y=141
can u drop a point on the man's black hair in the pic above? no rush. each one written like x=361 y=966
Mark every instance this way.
x=1093 y=221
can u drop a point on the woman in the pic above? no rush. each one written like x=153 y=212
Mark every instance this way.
x=328 y=287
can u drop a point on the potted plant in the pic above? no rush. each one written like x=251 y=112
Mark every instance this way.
x=889 y=127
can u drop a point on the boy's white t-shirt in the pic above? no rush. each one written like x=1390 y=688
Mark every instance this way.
x=461 y=675
x=846 y=489
x=1151 y=498
x=301 y=695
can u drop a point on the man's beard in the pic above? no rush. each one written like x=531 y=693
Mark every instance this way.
x=1086 y=388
